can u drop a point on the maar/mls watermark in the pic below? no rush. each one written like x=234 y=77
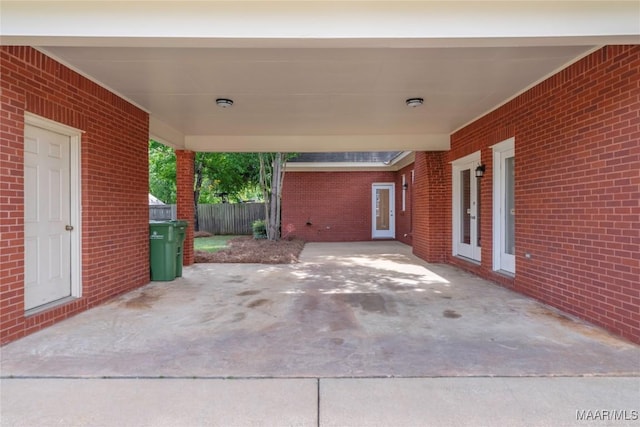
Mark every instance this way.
x=607 y=415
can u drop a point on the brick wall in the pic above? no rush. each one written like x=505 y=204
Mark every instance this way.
x=114 y=171
x=185 y=206
x=577 y=145
x=429 y=236
x=337 y=204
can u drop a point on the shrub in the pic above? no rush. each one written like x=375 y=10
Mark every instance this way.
x=259 y=229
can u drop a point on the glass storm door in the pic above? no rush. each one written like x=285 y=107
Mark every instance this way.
x=383 y=201
x=505 y=237
x=466 y=209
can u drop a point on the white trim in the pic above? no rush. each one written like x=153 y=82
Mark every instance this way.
x=75 y=192
x=318 y=143
x=391 y=233
x=498 y=150
x=458 y=165
x=256 y=23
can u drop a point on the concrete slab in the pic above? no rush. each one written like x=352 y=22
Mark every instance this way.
x=346 y=310
x=158 y=402
x=321 y=402
x=480 y=402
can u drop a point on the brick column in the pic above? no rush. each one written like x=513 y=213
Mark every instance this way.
x=429 y=212
x=186 y=210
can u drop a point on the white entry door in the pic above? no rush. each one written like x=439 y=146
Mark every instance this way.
x=47 y=216
x=383 y=201
x=466 y=208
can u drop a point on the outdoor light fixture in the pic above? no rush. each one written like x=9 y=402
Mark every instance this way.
x=224 y=102
x=414 y=102
x=405 y=186
x=480 y=171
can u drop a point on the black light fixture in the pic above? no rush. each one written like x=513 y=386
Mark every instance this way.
x=405 y=186
x=480 y=171
x=224 y=102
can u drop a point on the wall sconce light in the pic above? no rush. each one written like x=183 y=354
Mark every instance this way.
x=480 y=171
x=405 y=186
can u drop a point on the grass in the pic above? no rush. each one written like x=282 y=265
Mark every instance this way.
x=211 y=244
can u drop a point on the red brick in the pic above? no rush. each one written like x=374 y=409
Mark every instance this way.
x=114 y=165
x=576 y=187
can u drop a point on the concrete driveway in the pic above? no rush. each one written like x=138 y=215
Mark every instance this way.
x=346 y=310
x=314 y=344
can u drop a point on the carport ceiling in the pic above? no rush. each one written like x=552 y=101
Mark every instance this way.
x=316 y=75
x=317 y=91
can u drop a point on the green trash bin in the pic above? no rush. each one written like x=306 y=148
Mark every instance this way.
x=162 y=250
x=180 y=227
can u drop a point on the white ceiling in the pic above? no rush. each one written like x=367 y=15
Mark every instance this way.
x=350 y=91
x=316 y=75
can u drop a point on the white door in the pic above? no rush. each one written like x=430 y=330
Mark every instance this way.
x=466 y=209
x=383 y=201
x=504 y=227
x=47 y=216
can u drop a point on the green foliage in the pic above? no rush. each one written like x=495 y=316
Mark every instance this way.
x=162 y=172
x=220 y=177
x=226 y=177
x=259 y=229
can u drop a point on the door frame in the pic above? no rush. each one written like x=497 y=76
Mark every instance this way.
x=501 y=261
x=391 y=233
x=75 y=188
x=474 y=252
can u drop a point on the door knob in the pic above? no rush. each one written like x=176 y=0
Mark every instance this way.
x=68 y=227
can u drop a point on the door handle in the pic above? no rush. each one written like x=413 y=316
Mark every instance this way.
x=68 y=227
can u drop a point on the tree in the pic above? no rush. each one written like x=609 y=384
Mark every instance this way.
x=272 y=168
x=218 y=177
x=223 y=177
x=162 y=172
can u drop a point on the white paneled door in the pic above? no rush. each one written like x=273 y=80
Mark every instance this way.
x=383 y=202
x=47 y=216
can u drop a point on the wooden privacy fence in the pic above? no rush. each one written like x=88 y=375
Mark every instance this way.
x=221 y=218
x=162 y=212
x=229 y=218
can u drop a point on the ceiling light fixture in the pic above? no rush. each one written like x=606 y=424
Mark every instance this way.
x=414 y=102
x=224 y=102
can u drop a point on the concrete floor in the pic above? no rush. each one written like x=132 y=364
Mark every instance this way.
x=314 y=344
x=322 y=402
x=346 y=310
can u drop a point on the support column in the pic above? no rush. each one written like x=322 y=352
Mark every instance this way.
x=430 y=223
x=186 y=209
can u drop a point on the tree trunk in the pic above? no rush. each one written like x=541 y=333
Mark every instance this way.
x=274 y=217
x=266 y=192
x=272 y=167
x=196 y=192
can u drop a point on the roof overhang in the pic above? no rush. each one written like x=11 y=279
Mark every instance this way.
x=402 y=160
x=109 y=41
